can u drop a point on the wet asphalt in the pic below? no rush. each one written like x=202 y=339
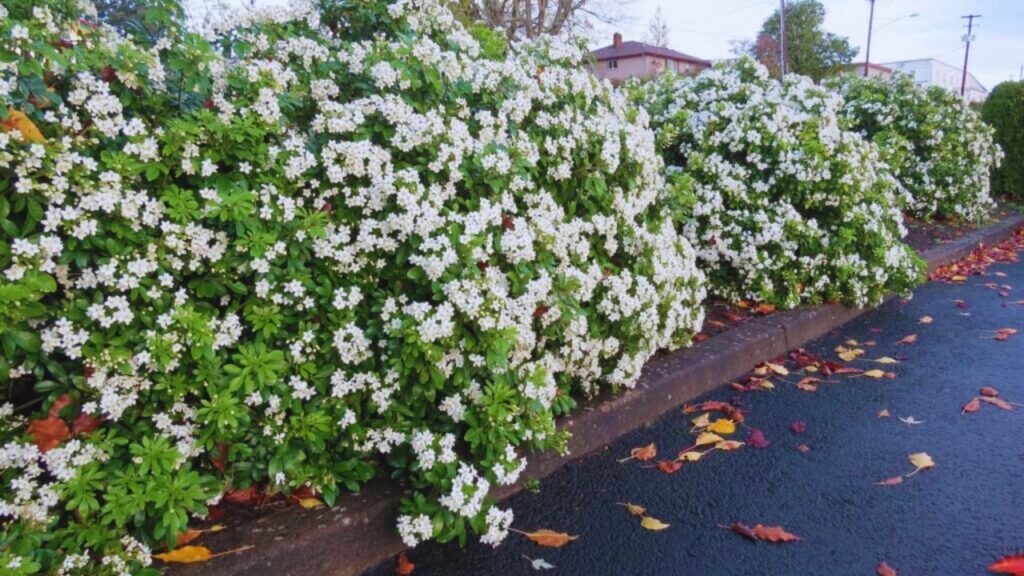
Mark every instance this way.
x=955 y=519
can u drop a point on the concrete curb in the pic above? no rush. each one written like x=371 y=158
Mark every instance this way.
x=358 y=533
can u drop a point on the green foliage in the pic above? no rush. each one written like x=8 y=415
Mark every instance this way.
x=1004 y=111
x=810 y=50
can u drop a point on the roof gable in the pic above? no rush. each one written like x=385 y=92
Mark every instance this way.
x=633 y=48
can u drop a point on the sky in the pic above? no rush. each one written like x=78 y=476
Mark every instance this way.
x=707 y=29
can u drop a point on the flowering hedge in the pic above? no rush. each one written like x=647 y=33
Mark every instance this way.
x=938 y=147
x=307 y=249
x=784 y=204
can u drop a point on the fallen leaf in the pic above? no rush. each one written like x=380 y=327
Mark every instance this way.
x=997 y=402
x=17 y=120
x=729 y=445
x=722 y=426
x=766 y=533
x=926 y=320
x=804 y=448
x=887 y=360
x=921 y=461
x=1004 y=333
x=404 y=567
x=885 y=570
x=549 y=538
x=798 y=427
x=188 y=536
x=689 y=455
x=989 y=391
x=186 y=555
x=973 y=406
x=708 y=438
x=757 y=440
x=669 y=466
x=908 y=339
x=643 y=454
x=777 y=368
x=653 y=524
x=702 y=420
x=634 y=509
x=890 y=481
x=311 y=503
x=48 y=433
x=1009 y=565
x=808 y=384
x=539 y=564
x=910 y=420
x=764 y=308
x=249 y=495
x=883 y=414
x=876 y=373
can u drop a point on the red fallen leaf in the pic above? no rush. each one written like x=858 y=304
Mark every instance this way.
x=48 y=433
x=890 y=481
x=215 y=513
x=732 y=316
x=845 y=370
x=404 y=567
x=643 y=453
x=62 y=401
x=961 y=304
x=798 y=427
x=188 y=536
x=766 y=533
x=756 y=439
x=700 y=337
x=249 y=495
x=808 y=384
x=885 y=570
x=1004 y=333
x=908 y=339
x=733 y=413
x=1009 y=565
x=989 y=391
x=997 y=402
x=304 y=492
x=85 y=423
x=669 y=466
x=971 y=407
x=875 y=330
x=804 y=448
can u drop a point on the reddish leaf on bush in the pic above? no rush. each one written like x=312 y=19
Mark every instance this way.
x=85 y=423
x=404 y=567
x=756 y=439
x=1009 y=565
x=59 y=404
x=885 y=570
x=48 y=433
x=221 y=459
x=250 y=495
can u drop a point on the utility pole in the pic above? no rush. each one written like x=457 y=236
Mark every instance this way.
x=967 y=51
x=867 y=53
x=782 y=35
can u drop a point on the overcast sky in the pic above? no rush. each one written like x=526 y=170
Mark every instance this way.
x=706 y=28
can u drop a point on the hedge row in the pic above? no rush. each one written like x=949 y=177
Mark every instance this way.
x=311 y=246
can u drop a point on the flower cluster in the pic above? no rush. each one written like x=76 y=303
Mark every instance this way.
x=939 y=148
x=301 y=247
x=782 y=202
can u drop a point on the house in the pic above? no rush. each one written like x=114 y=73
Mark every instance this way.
x=874 y=70
x=930 y=72
x=624 y=60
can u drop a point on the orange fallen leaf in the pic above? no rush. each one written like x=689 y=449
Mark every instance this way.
x=404 y=567
x=973 y=406
x=766 y=533
x=1009 y=565
x=548 y=538
x=885 y=570
x=729 y=445
x=643 y=454
x=883 y=414
x=908 y=339
x=997 y=402
x=669 y=466
x=989 y=391
x=48 y=433
x=193 y=554
x=808 y=384
x=634 y=509
x=890 y=481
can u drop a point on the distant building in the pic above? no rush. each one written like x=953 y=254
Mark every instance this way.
x=930 y=72
x=624 y=60
x=874 y=70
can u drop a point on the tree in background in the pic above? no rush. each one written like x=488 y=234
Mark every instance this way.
x=810 y=50
x=657 y=30
x=1004 y=111
x=137 y=17
x=531 y=18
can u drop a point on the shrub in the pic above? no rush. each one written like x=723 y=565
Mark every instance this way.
x=939 y=148
x=1004 y=111
x=310 y=249
x=787 y=206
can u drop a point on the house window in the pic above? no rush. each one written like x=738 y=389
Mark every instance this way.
x=613 y=64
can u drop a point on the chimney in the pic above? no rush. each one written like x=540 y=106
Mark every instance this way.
x=617 y=40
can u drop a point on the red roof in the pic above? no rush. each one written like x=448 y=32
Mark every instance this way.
x=629 y=49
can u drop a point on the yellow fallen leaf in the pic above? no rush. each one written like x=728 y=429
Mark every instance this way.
x=921 y=461
x=851 y=342
x=186 y=555
x=722 y=426
x=653 y=524
x=811 y=368
x=311 y=503
x=690 y=456
x=708 y=438
x=766 y=385
x=926 y=320
x=777 y=368
x=702 y=420
x=18 y=121
x=876 y=373
x=887 y=360
x=634 y=509
x=883 y=414
x=849 y=354
x=958 y=278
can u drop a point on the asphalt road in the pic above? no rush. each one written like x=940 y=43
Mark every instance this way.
x=955 y=519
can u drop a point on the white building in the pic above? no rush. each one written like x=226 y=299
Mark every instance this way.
x=931 y=72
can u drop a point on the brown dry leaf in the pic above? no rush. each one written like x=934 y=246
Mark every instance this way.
x=885 y=570
x=634 y=509
x=971 y=407
x=890 y=481
x=653 y=524
x=186 y=555
x=908 y=339
x=549 y=538
x=1004 y=333
x=804 y=448
x=996 y=402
